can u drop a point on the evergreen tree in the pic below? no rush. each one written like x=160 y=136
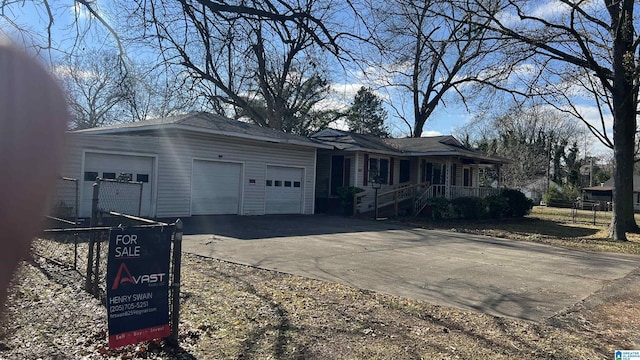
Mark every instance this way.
x=366 y=115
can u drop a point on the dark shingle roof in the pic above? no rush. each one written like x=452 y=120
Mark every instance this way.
x=423 y=146
x=206 y=123
x=349 y=141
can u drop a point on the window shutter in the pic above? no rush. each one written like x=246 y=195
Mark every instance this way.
x=365 y=175
x=391 y=171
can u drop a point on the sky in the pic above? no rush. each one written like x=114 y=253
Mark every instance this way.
x=446 y=119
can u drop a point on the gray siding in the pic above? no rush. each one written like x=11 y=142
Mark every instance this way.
x=175 y=157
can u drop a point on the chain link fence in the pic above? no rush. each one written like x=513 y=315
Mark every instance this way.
x=63 y=213
x=121 y=195
x=73 y=244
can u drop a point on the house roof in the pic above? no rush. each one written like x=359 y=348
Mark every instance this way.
x=207 y=123
x=350 y=141
x=608 y=185
x=445 y=145
x=599 y=188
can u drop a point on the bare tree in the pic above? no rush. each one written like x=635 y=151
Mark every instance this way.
x=599 y=40
x=260 y=60
x=155 y=92
x=429 y=50
x=37 y=32
x=96 y=88
x=534 y=138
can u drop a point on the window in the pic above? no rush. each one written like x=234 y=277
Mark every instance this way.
x=427 y=171
x=109 y=175
x=405 y=171
x=296 y=184
x=278 y=182
x=142 y=178
x=467 y=177
x=379 y=170
x=454 y=174
x=125 y=177
x=287 y=183
x=90 y=176
x=269 y=183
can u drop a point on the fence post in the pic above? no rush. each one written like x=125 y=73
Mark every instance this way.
x=94 y=212
x=594 y=214
x=76 y=235
x=96 y=273
x=140 y=200
x=175 y=285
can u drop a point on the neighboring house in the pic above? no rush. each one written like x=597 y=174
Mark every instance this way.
x=413 y=169
x=603 y=193
x=197 y=164
x=536 y=188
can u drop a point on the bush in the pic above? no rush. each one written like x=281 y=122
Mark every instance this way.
x=439 y=207
x=518 y=205
x=347 y=194
x=496 y=206
x=553 y=192
x=468 y=207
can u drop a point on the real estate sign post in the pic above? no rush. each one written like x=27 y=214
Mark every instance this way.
x=138 y=285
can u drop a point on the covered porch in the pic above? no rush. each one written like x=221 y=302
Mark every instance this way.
x=404 y=173
x=431 y=178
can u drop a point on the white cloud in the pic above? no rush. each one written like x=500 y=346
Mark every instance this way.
x=65 y=71
x=550 y=9
x=345 y=91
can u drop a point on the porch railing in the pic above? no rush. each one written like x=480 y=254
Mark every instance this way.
x=364 y=201
x=420 y=193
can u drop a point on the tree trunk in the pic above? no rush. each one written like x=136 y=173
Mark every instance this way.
x=624 y=121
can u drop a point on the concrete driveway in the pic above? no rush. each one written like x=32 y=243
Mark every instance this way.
x=496 y=276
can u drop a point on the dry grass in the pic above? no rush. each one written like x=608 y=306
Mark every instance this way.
x=231 y=311
x=552 y=226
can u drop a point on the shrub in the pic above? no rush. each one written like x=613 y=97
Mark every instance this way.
x=553 y=192
x=468 y=207
x=518 y=205
x=567 y=193
x=496 y=206
x=439 y=207
x=347 y=194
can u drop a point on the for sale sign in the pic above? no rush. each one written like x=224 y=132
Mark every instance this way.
x=138 y=285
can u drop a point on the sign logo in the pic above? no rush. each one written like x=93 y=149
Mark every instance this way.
x=135 y=280
x=627 y=355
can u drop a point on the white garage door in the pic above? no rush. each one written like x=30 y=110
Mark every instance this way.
x=113 y=197
x=215 y=188
x=283 y=190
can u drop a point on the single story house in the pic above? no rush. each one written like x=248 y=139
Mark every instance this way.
x=414 y=169
x=536 y=188
x=603 y=194
x=196 y=164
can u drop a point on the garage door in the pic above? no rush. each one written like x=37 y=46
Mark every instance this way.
x=215 y=188
x=283 y=190
x=118 y=198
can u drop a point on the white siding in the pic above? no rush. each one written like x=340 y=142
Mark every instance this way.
x=175 y=156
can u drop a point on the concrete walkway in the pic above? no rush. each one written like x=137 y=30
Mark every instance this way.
x=495 y=276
